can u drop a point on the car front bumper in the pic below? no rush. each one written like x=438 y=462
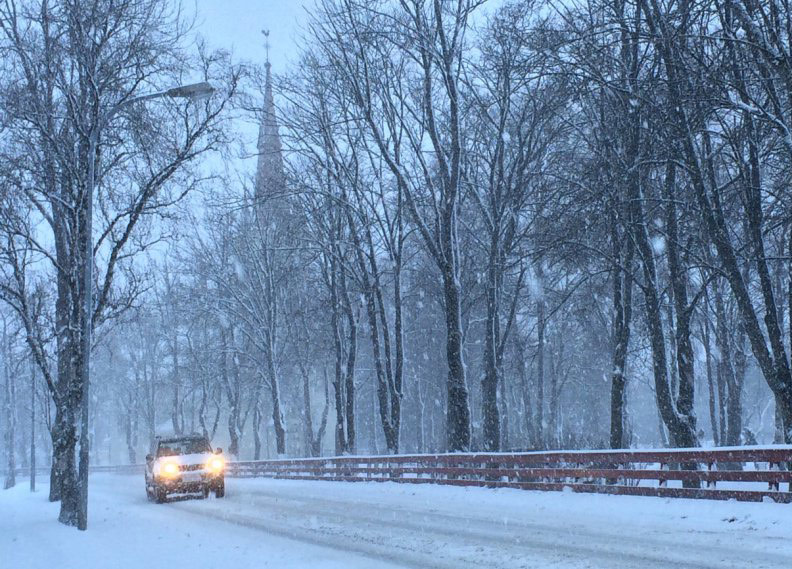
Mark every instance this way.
x=189 y=482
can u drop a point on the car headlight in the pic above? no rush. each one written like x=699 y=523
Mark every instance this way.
x=169 y=469
x=215 y=464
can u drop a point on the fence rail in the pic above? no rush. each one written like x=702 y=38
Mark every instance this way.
x=22 y=472
x=739 y=473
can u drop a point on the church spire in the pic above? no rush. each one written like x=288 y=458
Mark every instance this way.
x=269 y=174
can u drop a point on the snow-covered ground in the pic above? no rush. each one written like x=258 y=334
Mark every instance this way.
x=291 y=524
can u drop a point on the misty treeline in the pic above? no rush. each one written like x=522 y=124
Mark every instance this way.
x=499 y=226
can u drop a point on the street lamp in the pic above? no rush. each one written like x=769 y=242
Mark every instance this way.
x=194 y=91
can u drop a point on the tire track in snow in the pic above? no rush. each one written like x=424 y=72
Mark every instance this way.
x=430 y=539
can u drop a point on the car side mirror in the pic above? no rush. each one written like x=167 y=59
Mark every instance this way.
x=149 y=458
x=218 y=450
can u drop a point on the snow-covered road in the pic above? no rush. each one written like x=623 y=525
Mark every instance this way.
x=285 y=524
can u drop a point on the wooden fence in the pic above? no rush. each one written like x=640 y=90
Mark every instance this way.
x=740 y=473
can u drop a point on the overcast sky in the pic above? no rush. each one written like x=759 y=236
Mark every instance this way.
x=236 y=25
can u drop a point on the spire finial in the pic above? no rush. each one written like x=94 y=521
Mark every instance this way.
x=266 y=43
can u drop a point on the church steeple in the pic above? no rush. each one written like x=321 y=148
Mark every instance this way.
x=270 y=180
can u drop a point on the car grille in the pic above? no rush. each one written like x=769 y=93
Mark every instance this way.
x=187 y=467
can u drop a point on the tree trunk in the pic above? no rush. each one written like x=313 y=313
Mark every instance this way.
x=338 y=380
x=383 y=395
x=540 y=375
x=340 y=437
x=729 y=374
x=257 y=431
x=351 y=358
x=552 y=436
x=308 y=431
x=32 y=427
x=489 y=385
x=202 y=410
x=622 y=320
x=64 y=469
x=176 y=403
x=528 y=411
x=420 y=429
x=458 y=418
x=232 y=395
x=681 y=431
x=734 y=425
x=685 y=398
x=712 y=387
x=778 y=434
x=505 y=434
x=277 y=414
x=316 y=441
x=233 y=433
x=11 y=415
x=129 y=437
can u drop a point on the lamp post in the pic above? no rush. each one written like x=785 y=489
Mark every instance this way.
x=193 y=91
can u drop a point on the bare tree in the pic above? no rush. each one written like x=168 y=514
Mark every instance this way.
x=74 y=65
x=403 y=71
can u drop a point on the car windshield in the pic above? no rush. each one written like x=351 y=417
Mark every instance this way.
x=186 y=446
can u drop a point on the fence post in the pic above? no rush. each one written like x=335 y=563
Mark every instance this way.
x=711 y=483
x=662 y=482
x=774 y=485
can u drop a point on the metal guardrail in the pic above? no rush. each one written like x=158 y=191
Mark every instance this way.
x=740 y=473
x=735 y=473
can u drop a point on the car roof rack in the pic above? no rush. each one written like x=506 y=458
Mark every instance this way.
x=170 y=438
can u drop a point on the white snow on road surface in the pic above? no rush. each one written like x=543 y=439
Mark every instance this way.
x=128 y=532
x=296 y=524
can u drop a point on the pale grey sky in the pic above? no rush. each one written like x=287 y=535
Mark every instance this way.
x=236 y=25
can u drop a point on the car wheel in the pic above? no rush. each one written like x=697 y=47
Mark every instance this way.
x=219 y=490
x=161 y=495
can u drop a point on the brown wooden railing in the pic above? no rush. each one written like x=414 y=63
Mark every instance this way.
x=44 y=471
x=741 y=473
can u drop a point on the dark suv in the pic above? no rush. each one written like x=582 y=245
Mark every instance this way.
x=184 y=464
